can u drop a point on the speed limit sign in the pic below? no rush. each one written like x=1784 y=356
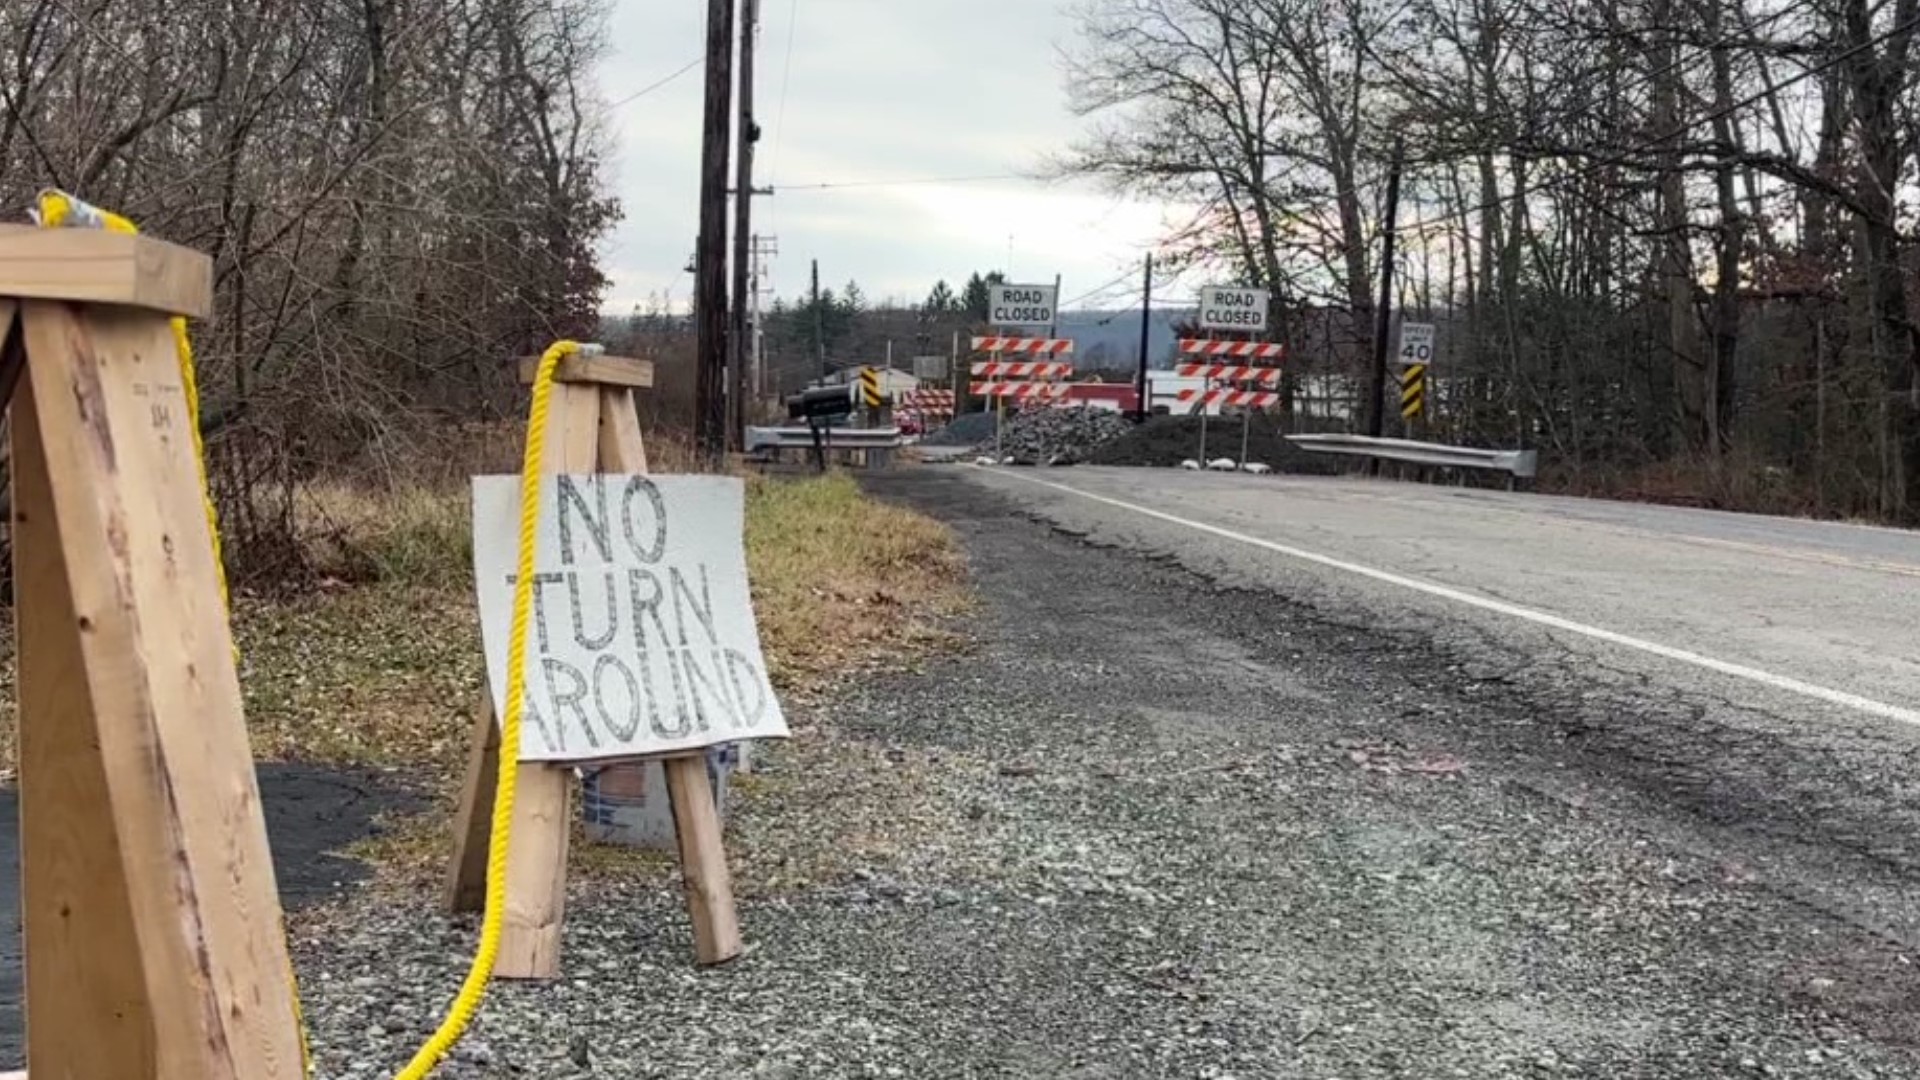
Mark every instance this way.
x=1416 y=342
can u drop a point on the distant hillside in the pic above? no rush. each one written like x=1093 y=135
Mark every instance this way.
x=1110 y=340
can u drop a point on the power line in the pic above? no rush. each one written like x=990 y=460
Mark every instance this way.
x=1125 y=276
x=786 y=80
x=657 y=84
x=842 y=185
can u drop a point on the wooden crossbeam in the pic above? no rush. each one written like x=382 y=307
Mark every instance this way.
x=600 y=370
x=103 y=267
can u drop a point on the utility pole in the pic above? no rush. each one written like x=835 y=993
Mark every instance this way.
x=763 y=247
x=747 y=133
x=1377 y=385
x=710 y=266
x=819 y=331
x=1146 y=310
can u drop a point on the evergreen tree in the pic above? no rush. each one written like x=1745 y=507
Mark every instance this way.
x=940 y=301
x=975 y=300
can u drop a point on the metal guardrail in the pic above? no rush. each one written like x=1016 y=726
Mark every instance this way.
x=1518 y=464
x=799 y=438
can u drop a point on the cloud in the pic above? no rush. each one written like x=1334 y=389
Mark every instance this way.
x=877 y=90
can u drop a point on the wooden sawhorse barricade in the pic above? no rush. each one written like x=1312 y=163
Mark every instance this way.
x=154 y=946
x=592 y=426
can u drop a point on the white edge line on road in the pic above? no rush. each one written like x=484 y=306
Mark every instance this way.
x=1486 y=603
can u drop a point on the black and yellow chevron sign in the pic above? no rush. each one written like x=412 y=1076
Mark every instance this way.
x=1413 y=391
x=870 y=387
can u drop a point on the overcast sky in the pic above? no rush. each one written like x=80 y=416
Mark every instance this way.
x=876 y=90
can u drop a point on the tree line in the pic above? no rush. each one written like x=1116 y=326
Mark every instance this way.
x=397 y=197
x=1658 y=235
x=807 y=336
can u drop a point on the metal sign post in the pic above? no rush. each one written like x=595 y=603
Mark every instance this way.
x=999 y=425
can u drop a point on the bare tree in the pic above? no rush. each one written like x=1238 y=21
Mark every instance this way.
x=1669 y=235
x=397 y=197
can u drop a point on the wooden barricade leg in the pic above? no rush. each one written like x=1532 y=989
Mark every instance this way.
x=703 y=858
x=154 y=948
x=703 y=861
x=473 y=820
x=537 y=858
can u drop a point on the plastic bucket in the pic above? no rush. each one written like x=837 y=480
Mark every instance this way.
x=626 y=804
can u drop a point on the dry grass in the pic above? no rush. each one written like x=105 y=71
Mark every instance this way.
x=389 y=673
x=1736 y=482
x=382 y=665
x=840 y=580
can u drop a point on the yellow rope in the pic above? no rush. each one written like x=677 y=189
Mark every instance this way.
x=467 y=1001
x=57 y=210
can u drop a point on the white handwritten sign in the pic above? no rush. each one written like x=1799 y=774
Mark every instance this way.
x=641 y=637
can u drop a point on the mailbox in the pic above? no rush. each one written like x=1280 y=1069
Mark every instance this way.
x=822 y=403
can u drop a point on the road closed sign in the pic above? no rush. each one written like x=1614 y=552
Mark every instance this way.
x=1020 y=305
x=1223 y=308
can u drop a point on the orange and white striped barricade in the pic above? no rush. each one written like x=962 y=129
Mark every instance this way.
x=1239 y=350
x=926 y=407
x=1024 y=381
x=1230 y=381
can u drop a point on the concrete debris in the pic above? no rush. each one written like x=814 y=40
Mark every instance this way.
x=966 y=429
x=1059 y=436
x=1171 y=441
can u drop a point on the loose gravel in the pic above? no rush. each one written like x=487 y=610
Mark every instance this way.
x=1166 y=441
x=1236 y=838
x=963 y=430
x=1047 y=436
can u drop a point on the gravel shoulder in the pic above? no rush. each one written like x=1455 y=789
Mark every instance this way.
x=313 y=812
x=1153 y=826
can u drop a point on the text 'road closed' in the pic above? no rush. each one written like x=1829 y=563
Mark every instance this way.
x=1020 y=305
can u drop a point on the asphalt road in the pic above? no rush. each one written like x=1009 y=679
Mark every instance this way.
x=1832 y=606
x=1767 y=670
x=1689 y=736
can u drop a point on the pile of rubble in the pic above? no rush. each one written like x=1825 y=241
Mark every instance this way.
x=966 y=429
x=1173 y=441
x=1058 y=436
